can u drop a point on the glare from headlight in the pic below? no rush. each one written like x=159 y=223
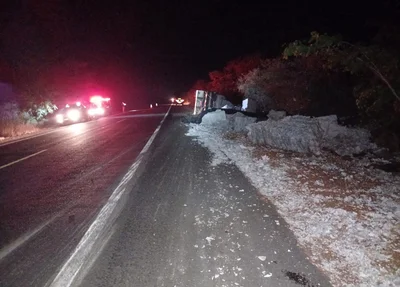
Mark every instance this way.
x=59 y=119
x=74 y=115
x=92 y=112
x=96 y=111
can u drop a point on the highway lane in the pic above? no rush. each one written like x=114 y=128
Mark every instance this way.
x=187 y=223
x=52 y=186
x=182 y=222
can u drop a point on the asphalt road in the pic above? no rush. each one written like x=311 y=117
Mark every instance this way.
x=189 y=224
x=48 y=200
x=181 y=222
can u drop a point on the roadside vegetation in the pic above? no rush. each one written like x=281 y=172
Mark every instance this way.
x=343 y=209
x=323 y=75
x=19 y=119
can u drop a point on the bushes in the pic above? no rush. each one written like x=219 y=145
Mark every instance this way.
x=37 y=112
x=11 y=123
x=14 y=122
x=12 y=128
x=323 y=76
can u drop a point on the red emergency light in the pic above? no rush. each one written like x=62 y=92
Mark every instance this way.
x=97 y=100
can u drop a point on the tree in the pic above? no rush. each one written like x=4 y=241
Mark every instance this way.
x=374 y=72
x=354 y=58
x=277 y=84
x=225 y=81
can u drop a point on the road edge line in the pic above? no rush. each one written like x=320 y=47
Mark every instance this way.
x=82 y=253
x=22 y=159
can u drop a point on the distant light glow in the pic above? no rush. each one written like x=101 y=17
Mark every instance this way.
x=172 y=99
x=78 y=104
x=59 y=119
x=98 y=100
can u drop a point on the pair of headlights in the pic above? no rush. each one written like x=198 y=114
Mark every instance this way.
x=73 y=115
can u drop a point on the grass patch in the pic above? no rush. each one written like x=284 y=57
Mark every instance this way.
x=13 y=128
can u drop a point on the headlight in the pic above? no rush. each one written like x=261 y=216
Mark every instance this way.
x=101 y=111
x=59 y=119
x=74 y=115
x=92 y=112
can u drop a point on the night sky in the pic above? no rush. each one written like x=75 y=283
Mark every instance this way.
x=148 y=50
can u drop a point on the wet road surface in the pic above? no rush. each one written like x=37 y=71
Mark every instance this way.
x=181 y=223
x=187 y=223
x=48 y=200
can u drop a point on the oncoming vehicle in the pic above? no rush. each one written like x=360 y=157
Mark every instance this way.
x=179 y=101
x=95 y=111
x=73 y=113
x=99 y=106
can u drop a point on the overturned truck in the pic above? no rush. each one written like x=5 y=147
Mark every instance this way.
x=206 y=101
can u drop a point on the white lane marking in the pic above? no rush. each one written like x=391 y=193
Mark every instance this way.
x=24 y=238
x=8 y=142
x=150 y=141
x=21 y=159
x=82 y=252
x=99 y=250
x=28 y=137
x=58 y=129
x=120 y=121
x=139 y=116
x=27 y=236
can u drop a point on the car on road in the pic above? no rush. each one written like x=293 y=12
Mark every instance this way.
x=72 y=113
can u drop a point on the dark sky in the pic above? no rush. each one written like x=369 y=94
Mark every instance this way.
x=151 y=49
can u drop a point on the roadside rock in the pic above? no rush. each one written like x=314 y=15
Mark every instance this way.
x=238 y=121
x=276 y=115
x=295 y=133
x=310 y=135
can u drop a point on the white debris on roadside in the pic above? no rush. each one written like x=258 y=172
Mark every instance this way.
x=209 y=239
x=352 y=238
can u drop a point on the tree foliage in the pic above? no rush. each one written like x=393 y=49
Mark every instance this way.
x=375 y=71
x=299 y=86
x=276 y=84
x=324 y=75
x=225 y=81
x=38 y=112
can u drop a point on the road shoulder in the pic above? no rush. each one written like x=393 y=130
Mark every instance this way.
x=189 y=224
